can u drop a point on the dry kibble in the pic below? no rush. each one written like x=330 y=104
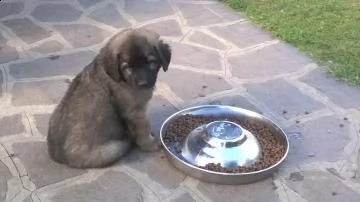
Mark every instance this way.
x=272 y=149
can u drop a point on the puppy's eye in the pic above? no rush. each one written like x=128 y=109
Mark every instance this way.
x=153 y=64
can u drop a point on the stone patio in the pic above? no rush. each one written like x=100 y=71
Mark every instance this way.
x=223 y=59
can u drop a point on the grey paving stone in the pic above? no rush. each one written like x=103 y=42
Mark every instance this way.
x=323 y=139
x=206 y=40
x=270 y=61
x=242 y=34
x=235 y=100
x=11 y=125
x=112 y=186
x=7 y=53
x=42 y=123
x=194 y=83
x=109 y=15
x=10 y=8
x=156 y=167
x=38 y=93
x=3 y=41
x=207 y=14
x=356 y=175
x=28 y=199
x=196 y=57
x=283 y=98
x=319 y=186
x=3 y=153
x=165 y=28
x=159 y=109
x=70 y=64
x=40 y=168
x=256 y=192
x=342 y=94
x=48 y=12
x=184 y=198
x=27 y=30
x=88 y=3
x=82 y=35
x=143 y=10
x=1 y=83
x=5 y=175
x=48 y=47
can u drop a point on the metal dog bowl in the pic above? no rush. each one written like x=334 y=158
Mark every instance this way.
x=222 y=142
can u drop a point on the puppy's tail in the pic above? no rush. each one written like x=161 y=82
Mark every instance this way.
x=101 y=156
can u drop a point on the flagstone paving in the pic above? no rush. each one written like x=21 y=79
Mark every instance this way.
x=219 y=57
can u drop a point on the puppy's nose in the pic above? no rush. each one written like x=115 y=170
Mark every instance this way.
x=143 y=84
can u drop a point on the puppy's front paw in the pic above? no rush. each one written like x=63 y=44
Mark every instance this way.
x=150 y=144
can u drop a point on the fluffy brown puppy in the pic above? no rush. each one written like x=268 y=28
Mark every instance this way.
x=104 y=110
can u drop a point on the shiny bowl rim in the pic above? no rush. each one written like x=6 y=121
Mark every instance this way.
x=222 y=173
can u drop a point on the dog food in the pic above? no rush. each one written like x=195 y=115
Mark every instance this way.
x=272 y=148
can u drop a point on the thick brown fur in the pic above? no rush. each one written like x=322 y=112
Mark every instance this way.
x=104 y=110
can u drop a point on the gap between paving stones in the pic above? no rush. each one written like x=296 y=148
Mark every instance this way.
x=293 y=76
x=159 y=191
x=23 y=181
x=191 y=184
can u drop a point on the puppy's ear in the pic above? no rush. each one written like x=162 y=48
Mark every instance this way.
x=123 y=66
x=110 y=64
x=164 y=51
x=124 y=71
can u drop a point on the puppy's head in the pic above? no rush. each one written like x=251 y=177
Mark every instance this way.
x=135 y=57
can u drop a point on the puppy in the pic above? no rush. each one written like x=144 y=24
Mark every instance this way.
x=104 y=110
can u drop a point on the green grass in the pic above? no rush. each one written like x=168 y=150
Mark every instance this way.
x=327 y=30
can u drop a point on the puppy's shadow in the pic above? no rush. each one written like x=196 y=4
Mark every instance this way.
x=135 y=155
x=144 y=161
x=155 y=165
x=159 y=110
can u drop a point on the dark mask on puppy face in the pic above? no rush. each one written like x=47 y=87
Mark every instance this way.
x=139 y=58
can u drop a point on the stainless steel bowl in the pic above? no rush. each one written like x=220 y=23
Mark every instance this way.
x=222 y=142
x=189 y=164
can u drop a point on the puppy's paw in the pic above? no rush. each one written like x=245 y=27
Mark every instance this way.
x=149 y=144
